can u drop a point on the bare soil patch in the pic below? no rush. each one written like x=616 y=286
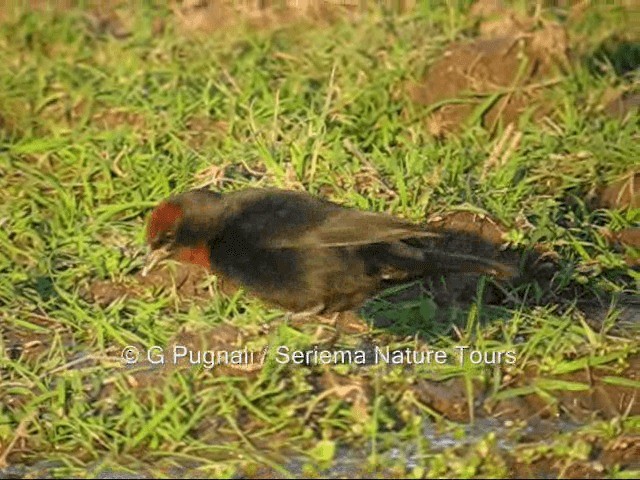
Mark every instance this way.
x=621 y=194
x=496 y=78
x=208 y=16
x=109 y=119
x=11 y=125
x=623 y=105
x=601 y=397
x=602 y=455
x=201 y=128
x=185 y=280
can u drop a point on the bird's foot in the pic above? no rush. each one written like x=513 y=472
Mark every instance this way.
x=305 y=314
x=333 y=320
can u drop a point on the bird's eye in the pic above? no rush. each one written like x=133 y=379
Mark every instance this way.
x=164 y=239
x=169 y=236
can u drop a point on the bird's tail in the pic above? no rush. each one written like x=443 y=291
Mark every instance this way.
x=424 y=260
x=438 y=261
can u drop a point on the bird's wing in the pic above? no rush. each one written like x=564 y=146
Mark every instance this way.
x=343 y=228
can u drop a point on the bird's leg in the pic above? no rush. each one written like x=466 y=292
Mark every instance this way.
x=292 y=317
x=333 y=320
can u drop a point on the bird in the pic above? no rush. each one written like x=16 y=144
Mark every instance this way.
x=302 y=253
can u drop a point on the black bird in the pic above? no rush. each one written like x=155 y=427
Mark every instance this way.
x=299 y=252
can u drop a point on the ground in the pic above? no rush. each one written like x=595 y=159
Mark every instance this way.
x=517 y=123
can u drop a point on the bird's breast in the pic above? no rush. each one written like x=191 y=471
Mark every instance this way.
x=198 y=255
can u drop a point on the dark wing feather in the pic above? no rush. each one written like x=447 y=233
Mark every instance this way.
x=343 y=228
x=290 y=219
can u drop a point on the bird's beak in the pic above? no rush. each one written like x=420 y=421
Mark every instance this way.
x=156 y=256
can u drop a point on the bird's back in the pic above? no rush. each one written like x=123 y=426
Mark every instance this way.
x=302 y=253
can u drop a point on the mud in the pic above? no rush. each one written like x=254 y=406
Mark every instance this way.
x=495 y=79
x=601 y=456
x=480 y=224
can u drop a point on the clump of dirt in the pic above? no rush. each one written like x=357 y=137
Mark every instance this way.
x=482 y=9
x=475 y=234
x=628 y=236
x=484 y=226
x=351 y=322
x=623 y=105
x=621 y=194
x=496 y=78
x=212 y=15
x=353 y=390
x=620 y=240
x=449 y=398
x=185 y=280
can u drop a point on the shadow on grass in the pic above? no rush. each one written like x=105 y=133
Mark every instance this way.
x=433 y=306
x=622 y=55
x=436 y=306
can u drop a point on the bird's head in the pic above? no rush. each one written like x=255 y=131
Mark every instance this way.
x=163 y=224
x=182 y=226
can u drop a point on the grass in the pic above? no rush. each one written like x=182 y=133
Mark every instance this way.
x=96 y=130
